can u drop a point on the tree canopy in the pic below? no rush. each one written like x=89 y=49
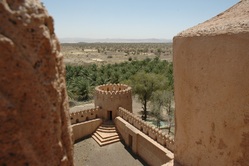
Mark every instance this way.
x=81 y=80
x=144 y=85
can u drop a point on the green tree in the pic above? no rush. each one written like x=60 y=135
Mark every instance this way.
x=161 y=99
x=115 y=77
x=78 y=89
x=144 y=85
x=170 y=77
x=95 y=75
x=157 y=106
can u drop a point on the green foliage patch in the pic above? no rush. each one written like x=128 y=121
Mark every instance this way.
x=81 y=80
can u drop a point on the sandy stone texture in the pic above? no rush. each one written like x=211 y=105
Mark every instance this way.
x=232 y=21
x=33 y=100
x=211 y=91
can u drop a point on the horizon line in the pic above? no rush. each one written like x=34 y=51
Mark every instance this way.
x=113 y=40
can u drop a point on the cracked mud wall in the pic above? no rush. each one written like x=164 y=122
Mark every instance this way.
x=33 y=100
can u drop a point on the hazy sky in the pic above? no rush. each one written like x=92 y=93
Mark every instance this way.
x=130 y=19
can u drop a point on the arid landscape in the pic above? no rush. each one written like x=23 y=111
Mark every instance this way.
x=110 y=53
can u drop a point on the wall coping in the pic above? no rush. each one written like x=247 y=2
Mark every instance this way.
x=152 y=131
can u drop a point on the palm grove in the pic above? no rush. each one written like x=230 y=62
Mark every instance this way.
x=151 y=81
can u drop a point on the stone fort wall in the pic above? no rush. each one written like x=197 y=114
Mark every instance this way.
x=86 y=128
x=151 y=131
x=143 y=145
x=108 y=97
x=85 y=115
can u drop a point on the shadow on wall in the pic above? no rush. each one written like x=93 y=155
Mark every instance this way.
x=133 y=154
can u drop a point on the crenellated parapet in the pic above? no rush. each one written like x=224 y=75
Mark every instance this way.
x=112 y=90
x=84 y=115
x=109 y=97
x=113 y=87
x=152 y=131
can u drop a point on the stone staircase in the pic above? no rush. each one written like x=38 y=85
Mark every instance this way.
x=106 y=134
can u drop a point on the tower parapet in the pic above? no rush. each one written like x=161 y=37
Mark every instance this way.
x=109 y=97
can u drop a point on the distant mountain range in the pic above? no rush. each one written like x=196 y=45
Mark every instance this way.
x=109 y=40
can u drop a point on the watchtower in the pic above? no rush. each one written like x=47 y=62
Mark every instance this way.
x=110 y=97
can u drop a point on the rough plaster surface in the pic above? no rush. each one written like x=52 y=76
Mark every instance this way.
x=81 y=130
x=233 y=20
x=33 y=101
x=142 y=145
x=212 y=92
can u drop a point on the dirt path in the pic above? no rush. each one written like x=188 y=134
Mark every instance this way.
x=89 y=153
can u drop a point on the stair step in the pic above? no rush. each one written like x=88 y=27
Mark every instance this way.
x=106 y=134
x=106 y=142
x=107 y=130
x=104 y=138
